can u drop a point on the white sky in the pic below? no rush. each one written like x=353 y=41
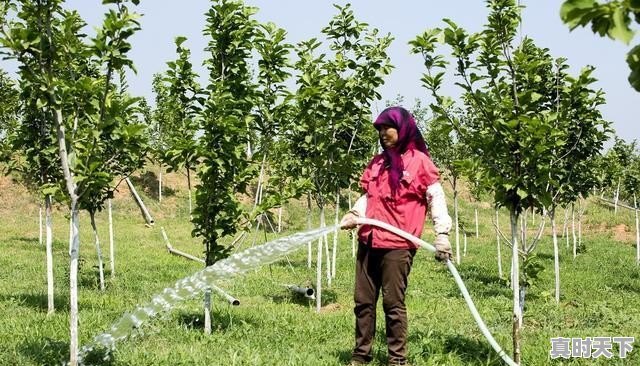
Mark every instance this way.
x=163 y=20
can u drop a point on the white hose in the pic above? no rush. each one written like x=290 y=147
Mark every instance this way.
x=456 y=277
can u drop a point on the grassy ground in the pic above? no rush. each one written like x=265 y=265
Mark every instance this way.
x=600 y=294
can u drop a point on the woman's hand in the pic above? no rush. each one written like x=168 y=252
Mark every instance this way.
x=348 y=221
x=443 y=248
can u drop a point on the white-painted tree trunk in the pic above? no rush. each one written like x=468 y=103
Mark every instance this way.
x=326 y=247
x=580 y=208
x=280 y=219
x=500 y=274
x=352 y=232
x=98 y=251
x=573 y=231
x=73 y=286
x=477 y=231
x=190 y=199
x=160 y=184
x=615 y=201
x=564 y=226
x=515 y=281
x=455 y=214
x=556 y=254
x=309 y=251
x=112 y=248
x=207 y=311
x=464 y=253
x=74 y=251
x=335 y=237
x=40 y=223
x=70 y=234
x=319 y=269
x=635 y=204
x=49 y=249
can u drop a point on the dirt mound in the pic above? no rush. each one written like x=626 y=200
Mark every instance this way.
x=622 y=233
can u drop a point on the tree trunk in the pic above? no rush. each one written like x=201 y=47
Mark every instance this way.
x=70 y=234
x=615 y=201
x=112 y=248
x=280 y=219
x=98 y=251
x=40 y=223
x=564 y=226
x=455 y=214
x=352 y=232
x=335 y=236
x=309 y=251
x=464 y=252
x=207 y=311
x=160 y=184
x=75 y=241
x=556 y=254
x=500 y=274
x=573 y=231
x=189 y=186
x=477 y=232
x=326 y=247
x=580 y=208
x=319 y=267
x=73 y=286
x=49 y=249
x=635 y=204
x=515 y=280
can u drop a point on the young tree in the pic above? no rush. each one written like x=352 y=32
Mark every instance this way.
x=73 y=76
x=183 y=105
x=331 y=136
x=448 y=152
x=224 y=121
x=507 y=121
x=9 y=105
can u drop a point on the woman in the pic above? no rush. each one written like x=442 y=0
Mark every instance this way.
x=400 y=185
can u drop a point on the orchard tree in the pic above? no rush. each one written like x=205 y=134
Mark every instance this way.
x=9 y=105
x=508 y=121
x=183 y=107
x=330 y=134
x=448 y=151
x=224 y=120
x=28 y=147
x=271 y=110
x=73 y=77
x=608 y=18
x=159 y=122
x=580 y=134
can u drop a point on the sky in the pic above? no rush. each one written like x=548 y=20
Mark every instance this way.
x=163 y=20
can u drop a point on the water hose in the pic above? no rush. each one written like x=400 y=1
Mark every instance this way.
x=456 y=277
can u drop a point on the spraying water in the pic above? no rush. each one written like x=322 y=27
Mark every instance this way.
x=195 y=284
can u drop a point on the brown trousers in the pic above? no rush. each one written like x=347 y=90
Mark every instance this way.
x=386 y=269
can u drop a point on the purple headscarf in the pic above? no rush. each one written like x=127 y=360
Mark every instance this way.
x=409 y=137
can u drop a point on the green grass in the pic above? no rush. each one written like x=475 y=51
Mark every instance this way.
x=600 y=296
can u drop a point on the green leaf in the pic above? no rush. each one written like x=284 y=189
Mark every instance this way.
x=620 y=29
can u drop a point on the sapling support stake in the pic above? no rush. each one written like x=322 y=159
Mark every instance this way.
x=112 y=249
x=207 y=311
x=230 y=299
x=178 y=252
x=454 y=272
x=635 y=204
x=143 y=208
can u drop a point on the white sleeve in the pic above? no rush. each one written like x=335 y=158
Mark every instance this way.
x=360 y=207
x=438 y=208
